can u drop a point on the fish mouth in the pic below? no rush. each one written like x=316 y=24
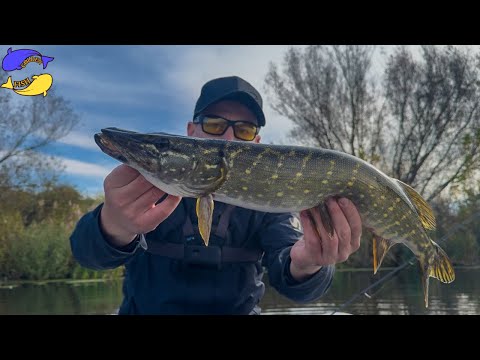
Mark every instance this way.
x=108 y=147
x=117 y=142
x=110 y=141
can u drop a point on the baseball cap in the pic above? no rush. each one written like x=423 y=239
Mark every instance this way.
x=231 y=88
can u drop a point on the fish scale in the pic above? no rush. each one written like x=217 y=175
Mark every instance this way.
x=284 y=178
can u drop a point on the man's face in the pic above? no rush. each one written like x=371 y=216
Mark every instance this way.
x=227 y=109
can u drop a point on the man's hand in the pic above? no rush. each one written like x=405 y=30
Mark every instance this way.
x=129 y=208
x=312 y=252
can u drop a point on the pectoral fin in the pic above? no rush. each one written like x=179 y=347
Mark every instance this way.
x=424 y=210
x=320 y=214
x=380 y=249
x=326 y=219
x=205 y=214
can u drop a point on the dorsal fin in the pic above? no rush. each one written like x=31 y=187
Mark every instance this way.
x=423 y=208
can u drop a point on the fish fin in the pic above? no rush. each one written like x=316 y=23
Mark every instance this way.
x=46 y=60
x=425 y=280
x=8 y=84
x=44 y=93
x=380 y=249
x=9 y=50
x=309 y=213
x=34 y=76
x=440 y=268
x=204 y=209
x=425 y=212
x=326 y=219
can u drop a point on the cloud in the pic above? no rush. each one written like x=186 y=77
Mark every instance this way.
x=92 y=86
x=77 y=167
x=82 y=140
x=195 y=65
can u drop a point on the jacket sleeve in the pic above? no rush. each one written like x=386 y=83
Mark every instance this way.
x=92 y=250
x=279 y=233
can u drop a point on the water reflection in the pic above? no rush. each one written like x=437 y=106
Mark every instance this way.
x=402 y=295
x=61 y=298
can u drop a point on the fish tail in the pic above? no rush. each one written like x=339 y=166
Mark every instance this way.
x=46 y=60
x=8 y=84
x=440 y=268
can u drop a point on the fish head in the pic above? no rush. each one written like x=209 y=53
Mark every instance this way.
x=171 y=162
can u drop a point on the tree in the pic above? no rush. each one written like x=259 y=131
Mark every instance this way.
x=329 y=95
x=28 y=124
x=418 y=120
x=434 y=113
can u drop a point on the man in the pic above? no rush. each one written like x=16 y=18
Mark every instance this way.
x=171 y=271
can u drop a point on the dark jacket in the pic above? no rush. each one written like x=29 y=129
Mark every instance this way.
x=156 y=284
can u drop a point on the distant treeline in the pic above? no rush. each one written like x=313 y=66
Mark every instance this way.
x=35 y=230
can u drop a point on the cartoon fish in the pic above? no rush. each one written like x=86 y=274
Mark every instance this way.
x=14 y=59
x=39 y=85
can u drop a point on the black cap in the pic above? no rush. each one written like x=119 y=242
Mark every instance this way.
x=231 y=88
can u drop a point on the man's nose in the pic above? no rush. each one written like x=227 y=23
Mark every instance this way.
x=229 y=134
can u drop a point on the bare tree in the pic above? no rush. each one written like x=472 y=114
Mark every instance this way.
x=26 y=125
x=434 y=116
x=417 y=119
x=327 y=91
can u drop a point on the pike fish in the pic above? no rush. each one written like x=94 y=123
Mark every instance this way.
x=279 y=178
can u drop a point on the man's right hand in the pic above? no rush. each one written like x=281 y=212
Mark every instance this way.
x=129 y=208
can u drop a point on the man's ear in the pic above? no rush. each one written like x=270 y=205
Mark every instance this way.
x=190 y=128
x=257 y=139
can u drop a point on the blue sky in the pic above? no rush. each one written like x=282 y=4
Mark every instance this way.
x=142 y=88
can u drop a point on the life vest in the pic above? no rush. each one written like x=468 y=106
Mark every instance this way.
x=193 y=251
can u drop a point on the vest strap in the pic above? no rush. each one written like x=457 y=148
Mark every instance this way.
x=205 y=255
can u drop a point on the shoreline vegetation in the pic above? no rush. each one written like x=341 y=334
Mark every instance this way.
x=35 y=228
x=10 y=284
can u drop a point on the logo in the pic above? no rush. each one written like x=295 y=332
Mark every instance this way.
x=18 y=60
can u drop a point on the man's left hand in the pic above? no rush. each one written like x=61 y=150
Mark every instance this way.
x=312 y=252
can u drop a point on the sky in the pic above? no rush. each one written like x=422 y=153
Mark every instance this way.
x=141 y=88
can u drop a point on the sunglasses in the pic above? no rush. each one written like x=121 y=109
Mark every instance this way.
x=216 y=125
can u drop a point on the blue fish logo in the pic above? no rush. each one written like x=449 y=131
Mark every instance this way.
x=18 y=59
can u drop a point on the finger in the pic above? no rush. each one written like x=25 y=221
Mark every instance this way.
x=342 y=229
x=353 y=217
x=159 y=213
x=120 y=176
x=135 y=189
x=146 y=201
